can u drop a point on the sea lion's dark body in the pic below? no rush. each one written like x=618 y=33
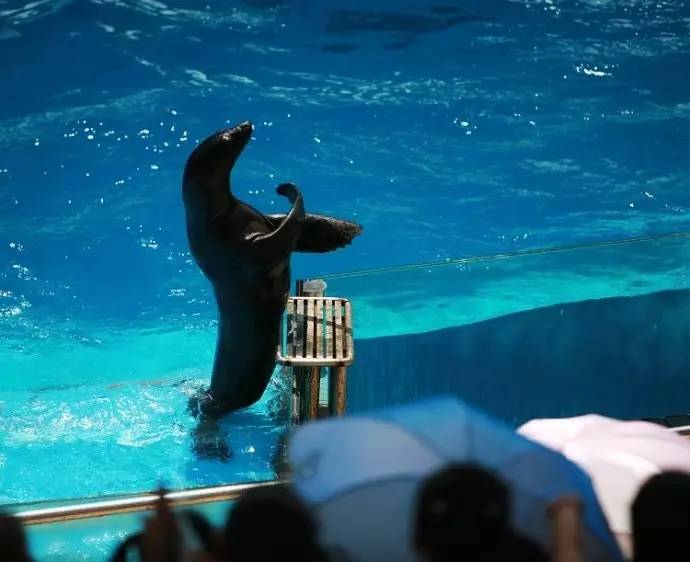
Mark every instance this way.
x=246 y=257
x=251 y=293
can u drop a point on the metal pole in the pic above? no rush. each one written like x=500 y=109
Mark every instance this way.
x=37 y=514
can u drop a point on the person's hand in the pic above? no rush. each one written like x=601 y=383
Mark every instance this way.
x=209 y=539
x=161 y=539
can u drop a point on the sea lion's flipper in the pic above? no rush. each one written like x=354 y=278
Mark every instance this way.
x=277 y=244
x=322 y=234
x=210 y=441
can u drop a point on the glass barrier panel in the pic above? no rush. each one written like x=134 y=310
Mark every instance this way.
x=95 y=539
x=603 y=328
x=598 y=328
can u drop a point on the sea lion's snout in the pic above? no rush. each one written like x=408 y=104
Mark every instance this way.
x=239 y=134
x=210 y=162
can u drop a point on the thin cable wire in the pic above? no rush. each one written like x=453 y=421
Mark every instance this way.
x=506 y=255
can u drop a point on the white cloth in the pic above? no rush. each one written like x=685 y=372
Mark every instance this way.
x=619 y=456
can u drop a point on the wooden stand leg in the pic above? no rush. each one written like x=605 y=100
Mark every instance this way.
x=337 y=391
x=295 y=406
x=308 y=393
x=314 y=387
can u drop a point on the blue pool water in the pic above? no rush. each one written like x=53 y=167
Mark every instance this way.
x=465 y=128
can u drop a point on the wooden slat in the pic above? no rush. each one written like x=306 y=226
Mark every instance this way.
x=304 y=339
x=349 y=344
x=309 y=326
x=318 y=322
x=291 y=328
x=299 y=329
x=328 y=344
x=338 y=330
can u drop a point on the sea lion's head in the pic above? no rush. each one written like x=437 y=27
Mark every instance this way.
x=207 y=173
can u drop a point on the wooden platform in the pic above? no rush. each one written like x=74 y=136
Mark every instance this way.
x=316 y=333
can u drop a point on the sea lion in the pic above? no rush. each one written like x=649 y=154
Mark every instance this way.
x=246 y=257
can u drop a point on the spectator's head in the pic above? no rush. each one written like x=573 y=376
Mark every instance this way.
x=462 y=512
x=661 y=519
x=270 y=524
x=13 y=545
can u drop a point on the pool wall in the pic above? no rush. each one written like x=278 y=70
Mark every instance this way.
x=625 y=357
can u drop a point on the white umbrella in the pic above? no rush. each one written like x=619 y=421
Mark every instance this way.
x=361 y=474
x=619 y=456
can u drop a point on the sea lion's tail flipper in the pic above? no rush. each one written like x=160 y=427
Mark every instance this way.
x=322 y=234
